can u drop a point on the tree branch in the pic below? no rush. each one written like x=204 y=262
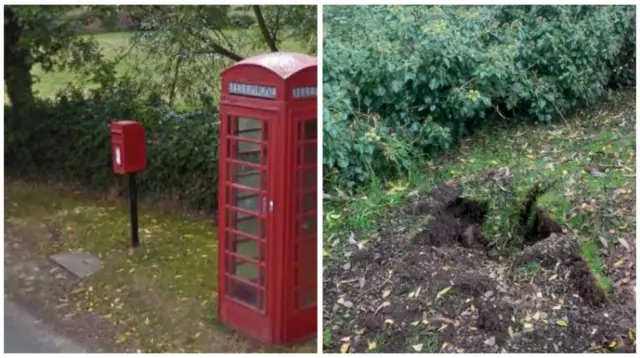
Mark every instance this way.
x=264 y=29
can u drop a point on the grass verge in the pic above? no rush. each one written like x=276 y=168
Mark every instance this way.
x=163 y=296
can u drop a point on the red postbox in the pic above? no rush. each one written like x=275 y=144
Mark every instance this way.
x=128 y=149
x=268 y=198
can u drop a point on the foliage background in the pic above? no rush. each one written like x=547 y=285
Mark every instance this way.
x=402 y=83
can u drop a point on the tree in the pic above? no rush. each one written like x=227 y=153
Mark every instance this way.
x=187 y=46
x=40 y=35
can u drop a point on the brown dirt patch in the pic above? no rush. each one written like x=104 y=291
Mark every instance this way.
x=434 y=288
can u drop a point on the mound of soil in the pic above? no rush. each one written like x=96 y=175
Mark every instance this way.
x=426 y=283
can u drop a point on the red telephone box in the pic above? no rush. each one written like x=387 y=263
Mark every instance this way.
x=267 y=284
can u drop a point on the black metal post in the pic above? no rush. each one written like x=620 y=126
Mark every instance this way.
x=133 y=198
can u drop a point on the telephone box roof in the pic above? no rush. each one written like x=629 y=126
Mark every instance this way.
x=283 y=64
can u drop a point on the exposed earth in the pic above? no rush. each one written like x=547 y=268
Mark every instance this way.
x=428 y=282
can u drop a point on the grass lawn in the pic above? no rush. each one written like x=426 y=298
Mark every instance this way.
x=113 y=46
x=163 y=295
x=591 y=155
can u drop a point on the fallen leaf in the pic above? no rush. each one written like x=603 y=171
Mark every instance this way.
x=352 y=239
x=344 y=348
x=345 y=339
x=347 y=304
x=120 y=338
x=383 y=305
x=491 y=341
x=417 y=347
x=372 y=345
x=618 y=262
x=624 y=243
x=388 y=321
x=510 y=331
x=613 y=344
x=561 y=323
x=361 y=282
x=360 y=332
x=528 y=325
x=443 y=292
x=386 y=293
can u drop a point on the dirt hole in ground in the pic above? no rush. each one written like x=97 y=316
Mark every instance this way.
x=427 y=278
x=455 y=220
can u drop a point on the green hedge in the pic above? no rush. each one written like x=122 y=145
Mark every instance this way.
x=402 y=82
x=68 y=139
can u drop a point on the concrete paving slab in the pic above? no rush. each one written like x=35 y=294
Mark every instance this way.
x=78 y=263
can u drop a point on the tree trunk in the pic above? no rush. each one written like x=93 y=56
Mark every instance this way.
x=17 y=66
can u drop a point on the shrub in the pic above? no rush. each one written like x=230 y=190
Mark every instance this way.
x=68 y=139
x=404 y=82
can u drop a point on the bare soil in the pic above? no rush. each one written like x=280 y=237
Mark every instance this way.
x=427 y=282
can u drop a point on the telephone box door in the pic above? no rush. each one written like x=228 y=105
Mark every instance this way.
x=303 y=298
x=246 y=204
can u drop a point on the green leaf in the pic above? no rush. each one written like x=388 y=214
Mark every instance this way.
x=443 y=292
x=396 y=86
x=561 y=323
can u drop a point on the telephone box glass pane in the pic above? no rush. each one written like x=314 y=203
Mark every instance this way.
x=310 y=153
x=310 y=202
x=308 y=225
x=246 y=293
x=250 y=128
x=247 y=176
x=247 y=200
x=307 y=179
x=245 y=251
x=306 y=217
x=310 y=130
x=249 y=152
